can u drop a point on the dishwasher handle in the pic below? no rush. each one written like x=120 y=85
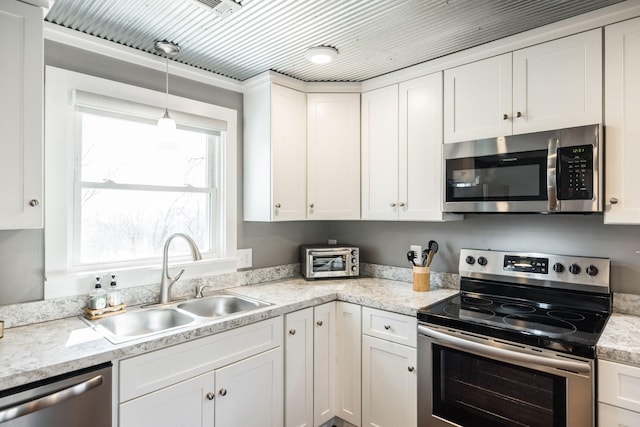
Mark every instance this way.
x=44 y=402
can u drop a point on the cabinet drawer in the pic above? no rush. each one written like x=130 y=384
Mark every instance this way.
x=389 y=326
x=158 y=369
x=619 y=385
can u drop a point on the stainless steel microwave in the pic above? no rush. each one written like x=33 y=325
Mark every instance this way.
x=556 y=171
x=328 y=261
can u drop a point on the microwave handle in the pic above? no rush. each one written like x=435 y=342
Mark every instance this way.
x=552 y=182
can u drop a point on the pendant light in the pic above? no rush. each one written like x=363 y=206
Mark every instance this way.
x=168 y=49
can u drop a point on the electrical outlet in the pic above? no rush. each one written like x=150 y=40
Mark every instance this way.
x=244 y=258
x=417 y=252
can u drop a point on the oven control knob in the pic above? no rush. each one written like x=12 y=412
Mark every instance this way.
x=354 y=268
x=354 y=260
x=354 y=252
x=482 y=261
x=592 y=270
x=574 y=269
x=470 y=260
x=558 y=268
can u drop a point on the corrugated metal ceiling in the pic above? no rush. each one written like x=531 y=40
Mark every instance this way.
x=373 y=37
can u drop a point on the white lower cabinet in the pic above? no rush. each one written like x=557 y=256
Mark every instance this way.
x=322 y=365
x=618 y=394
x=230 y=379
x=389 y=380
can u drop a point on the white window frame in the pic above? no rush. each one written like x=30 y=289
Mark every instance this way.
x=62 y=278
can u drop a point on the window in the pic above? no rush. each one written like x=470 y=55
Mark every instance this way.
x=116 y=187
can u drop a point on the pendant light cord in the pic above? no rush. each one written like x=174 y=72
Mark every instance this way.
x=166 y=99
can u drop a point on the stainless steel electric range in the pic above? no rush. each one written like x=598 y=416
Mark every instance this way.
x=516 y=346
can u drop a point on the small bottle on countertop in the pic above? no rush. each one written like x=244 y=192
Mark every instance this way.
x=114 y=296
x=98 y=298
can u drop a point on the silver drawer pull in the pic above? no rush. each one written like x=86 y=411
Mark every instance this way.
x=319 y=323
x=292 y=331
x=387 y=327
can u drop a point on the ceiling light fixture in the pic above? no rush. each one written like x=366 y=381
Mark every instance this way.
x=168 y=49
x=321 y=54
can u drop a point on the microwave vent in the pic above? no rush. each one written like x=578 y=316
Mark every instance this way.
x=222 y=8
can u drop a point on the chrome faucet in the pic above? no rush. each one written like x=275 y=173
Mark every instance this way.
x=168 y=281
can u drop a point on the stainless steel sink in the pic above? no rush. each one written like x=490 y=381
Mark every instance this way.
x=221 y=305
x=128 y=326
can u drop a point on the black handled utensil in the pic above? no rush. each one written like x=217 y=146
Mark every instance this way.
x=433 y=249
x=411 y=256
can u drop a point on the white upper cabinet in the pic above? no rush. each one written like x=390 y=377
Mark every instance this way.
x=274 y=154
x=622 y=122
x=21 y=112
x=402 y=151
x=548 y=86
x=380 y=154
x=333 y=156
x=477 y=99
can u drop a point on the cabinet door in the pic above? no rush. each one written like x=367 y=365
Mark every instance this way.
x=612 y=416
x=389 y=384
x=249 y=392
x=558 y=84
x=21 y=85
x=380 y=154
x=348 y=362
x=333 y=156
x=288 y=155
x=622 y=127
x=324 y=365
x=477 y=100
x=420 y=150
x=188 y=403
x=298 y=359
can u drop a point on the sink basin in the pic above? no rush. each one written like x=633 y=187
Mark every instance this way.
x=221 y=305
x=137 y=324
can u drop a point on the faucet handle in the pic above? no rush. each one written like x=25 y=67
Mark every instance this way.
x=199 y=290
x=175 y=279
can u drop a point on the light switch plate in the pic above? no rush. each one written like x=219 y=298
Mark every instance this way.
x=244 y=258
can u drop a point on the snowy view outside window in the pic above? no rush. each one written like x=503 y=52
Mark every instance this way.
x=135 y=187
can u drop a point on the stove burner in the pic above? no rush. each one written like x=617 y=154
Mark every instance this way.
x=566 y=315
x=477 y=301
x=518 y=308
x=469 y=313
x=539 y=325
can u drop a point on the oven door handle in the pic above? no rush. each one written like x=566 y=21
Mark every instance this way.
x=504 y=354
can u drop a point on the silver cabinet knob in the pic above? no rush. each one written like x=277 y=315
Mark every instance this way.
x=387 y=327
x=518 y=114
x=411 y=369
x=613 y=201
x=402 y=204
x=278 y=205
x=312 y=205
x=34 y=202
x=319 y=323
x=505 y=117
x=292 y=331
x=392 y=204
x=211 y=395
x=223 y=392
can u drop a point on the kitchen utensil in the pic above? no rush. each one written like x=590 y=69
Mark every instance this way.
x=433 y=249
x=411 y=256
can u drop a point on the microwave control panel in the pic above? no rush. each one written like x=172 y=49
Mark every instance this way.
x=575 y=173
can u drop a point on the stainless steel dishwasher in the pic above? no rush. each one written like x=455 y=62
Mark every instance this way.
x=78 y=399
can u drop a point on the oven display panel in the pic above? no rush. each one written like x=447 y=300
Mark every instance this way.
x=526 y=264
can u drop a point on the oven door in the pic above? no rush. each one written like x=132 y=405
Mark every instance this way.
x=470 y=380
x=324 y=263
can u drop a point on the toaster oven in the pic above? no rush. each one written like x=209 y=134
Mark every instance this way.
x=329 y=261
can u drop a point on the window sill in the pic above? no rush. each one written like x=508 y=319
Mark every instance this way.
x=67 y=283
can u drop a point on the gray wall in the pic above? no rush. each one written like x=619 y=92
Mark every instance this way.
x=387 y=243
x=22 y=252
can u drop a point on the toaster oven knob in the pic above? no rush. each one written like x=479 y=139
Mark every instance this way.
x=354 y=260
x=574 y=269
x=354 y=252
x=482 y=261
x=558 y=268
x=592 y=270
x=354 y=268
x=470 y=260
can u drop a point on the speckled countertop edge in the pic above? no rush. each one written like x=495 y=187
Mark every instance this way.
x=42 y=350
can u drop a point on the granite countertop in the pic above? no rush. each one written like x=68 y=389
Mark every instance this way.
x=33 y=352
x=620 y=340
